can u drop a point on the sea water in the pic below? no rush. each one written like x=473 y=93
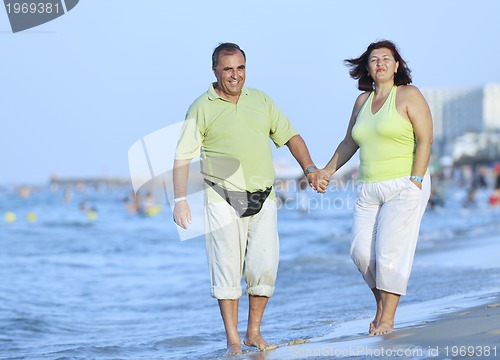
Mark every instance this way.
x=81 y=277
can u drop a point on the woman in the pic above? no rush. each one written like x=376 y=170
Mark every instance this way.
x=391 y=124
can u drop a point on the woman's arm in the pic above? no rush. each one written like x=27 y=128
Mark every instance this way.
x=347 y=147
x=420 y=117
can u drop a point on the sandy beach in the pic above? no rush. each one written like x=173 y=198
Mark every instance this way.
x=469 y=332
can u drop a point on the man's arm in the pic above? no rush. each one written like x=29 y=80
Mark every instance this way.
x=182 y=212
x=298 y=148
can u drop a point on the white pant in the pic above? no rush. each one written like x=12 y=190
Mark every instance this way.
x=237 y=247
x=386 y=224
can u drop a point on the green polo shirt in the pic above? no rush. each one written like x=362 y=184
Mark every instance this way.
x=232 y=140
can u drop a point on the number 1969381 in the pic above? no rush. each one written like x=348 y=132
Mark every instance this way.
x=33 y=8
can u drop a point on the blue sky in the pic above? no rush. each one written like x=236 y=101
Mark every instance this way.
x=78 y=91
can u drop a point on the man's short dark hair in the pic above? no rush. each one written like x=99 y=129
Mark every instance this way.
x=226 y=48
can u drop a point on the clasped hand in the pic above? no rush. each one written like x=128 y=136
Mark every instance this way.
x=319 y=180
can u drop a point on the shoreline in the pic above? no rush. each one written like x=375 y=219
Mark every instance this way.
x=450 y=327
x=462 y=325
x=447 y=328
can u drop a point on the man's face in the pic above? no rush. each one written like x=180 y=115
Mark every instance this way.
x=230 y=73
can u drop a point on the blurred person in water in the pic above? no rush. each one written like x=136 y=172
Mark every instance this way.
x=391 y=125
x=494 y=198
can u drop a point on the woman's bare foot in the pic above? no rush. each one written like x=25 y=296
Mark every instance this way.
x=374 y=323
x=387 y=309
x=233 y=349
x=259 y=342
x=383 y=328
x=378 y=315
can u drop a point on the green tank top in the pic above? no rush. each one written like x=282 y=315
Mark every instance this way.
x=386 y=141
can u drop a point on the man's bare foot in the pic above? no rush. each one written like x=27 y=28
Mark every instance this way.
x=382 y=329
x=259 y=342
x=233 y=349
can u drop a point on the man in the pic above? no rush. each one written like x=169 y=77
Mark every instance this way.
x=229 y=126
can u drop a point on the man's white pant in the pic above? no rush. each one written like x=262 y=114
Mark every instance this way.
x=386 y=224
x=241 y=247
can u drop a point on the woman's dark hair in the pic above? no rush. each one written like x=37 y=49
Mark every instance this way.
x=228 y=48
x=359 y=66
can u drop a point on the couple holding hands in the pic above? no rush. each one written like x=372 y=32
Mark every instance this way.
x=229 y=127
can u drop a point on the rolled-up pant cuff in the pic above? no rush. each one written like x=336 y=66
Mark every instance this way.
x=260 y=290
x=225 y=293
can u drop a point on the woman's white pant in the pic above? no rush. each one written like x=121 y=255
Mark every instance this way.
x=386 y=224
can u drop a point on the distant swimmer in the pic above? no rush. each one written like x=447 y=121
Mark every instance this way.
x=133 y=203
x=147 y=207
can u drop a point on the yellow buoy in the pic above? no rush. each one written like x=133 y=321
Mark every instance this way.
x=31 y=217
x=92 y=215
x=10 y=217
x=154 y=210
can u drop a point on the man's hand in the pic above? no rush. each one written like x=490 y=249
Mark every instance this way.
x=319 y=180
x=182 y=214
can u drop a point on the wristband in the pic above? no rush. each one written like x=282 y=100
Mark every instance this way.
x=176 y=200
x=310 y=170
x=416 y=178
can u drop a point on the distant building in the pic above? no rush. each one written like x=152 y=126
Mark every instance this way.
x=481 y=147
x=460 y=111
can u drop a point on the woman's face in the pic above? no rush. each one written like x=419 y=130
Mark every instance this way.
x=382 y=65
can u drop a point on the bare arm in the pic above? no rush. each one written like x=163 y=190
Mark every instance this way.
x=347 y=147
x=318 y=179
x=298 y=148
x=420 y=117
x=182 y=212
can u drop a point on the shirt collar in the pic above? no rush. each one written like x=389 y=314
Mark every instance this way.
x=212 y=94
